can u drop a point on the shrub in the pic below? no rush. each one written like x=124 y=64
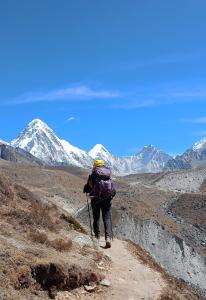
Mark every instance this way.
x=74 y=223
x=60 y=244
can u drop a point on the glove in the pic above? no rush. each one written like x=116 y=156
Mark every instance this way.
x=85 y=189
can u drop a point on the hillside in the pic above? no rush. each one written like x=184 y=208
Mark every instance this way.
x=42 y=250
x=45 y=254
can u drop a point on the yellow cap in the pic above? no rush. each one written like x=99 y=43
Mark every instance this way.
x=98 y=163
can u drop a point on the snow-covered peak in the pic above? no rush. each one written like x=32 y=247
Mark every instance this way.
x=38 y=124
x=41 y=141
x=149 y=148
x=199 y=145
x=35 y=130
x=98 y=151
x=3 y=142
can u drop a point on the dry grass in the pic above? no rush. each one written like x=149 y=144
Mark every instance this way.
x=60 y=244
x=37 y=215
x=73 y=223
x=172 y=293
x=6 y=190
x=41 y=237
x=36 y=236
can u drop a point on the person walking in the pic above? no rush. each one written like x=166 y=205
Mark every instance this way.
x=101 y=190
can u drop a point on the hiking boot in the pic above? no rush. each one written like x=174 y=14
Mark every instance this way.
x=108 y=243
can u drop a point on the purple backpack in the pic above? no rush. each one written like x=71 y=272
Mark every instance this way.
x=103 y=185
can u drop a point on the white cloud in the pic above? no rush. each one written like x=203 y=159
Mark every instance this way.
x=81 y=92
x=70 y=119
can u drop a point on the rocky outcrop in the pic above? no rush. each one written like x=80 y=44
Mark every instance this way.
x=56 y=277
x=17 y=155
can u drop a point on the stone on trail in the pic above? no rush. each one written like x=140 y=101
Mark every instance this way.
x=90 y=288
x=105 y=282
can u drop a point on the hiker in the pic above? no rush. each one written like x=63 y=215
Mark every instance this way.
x=101 y=190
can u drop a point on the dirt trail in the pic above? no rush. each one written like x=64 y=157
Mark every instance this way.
x=129 y=278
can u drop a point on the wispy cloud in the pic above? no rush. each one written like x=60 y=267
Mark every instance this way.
x=81 y=93
x=70 y=119
x=158 y=96
x=132 y=104
x=199 y=120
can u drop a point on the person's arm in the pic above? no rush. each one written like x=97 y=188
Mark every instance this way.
x=88 y=186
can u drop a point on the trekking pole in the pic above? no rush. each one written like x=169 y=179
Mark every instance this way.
x=90 y=222
x=111 y=225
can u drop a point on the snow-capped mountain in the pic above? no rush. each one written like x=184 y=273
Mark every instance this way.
x=3 y=142
x=100 y=152
x=149 y=159
x=191 y=158
x=200 y=145
x=41 y=141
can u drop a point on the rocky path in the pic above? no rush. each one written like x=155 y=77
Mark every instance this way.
x=129 y=279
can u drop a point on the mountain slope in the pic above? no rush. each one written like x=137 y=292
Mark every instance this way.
x=10 y=153
x=191 y=158
x=41 y=141
x=152 y=159
x=3 y=142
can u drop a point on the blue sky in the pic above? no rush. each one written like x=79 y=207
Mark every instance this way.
x=121 y=73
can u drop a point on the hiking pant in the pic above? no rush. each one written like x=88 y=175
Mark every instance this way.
x=105 y=207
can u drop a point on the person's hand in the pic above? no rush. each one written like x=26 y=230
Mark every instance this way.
x=85 y=188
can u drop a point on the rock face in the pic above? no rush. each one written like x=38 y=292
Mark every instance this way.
x=191 y=158
x=18 y=155
x=171 y=252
